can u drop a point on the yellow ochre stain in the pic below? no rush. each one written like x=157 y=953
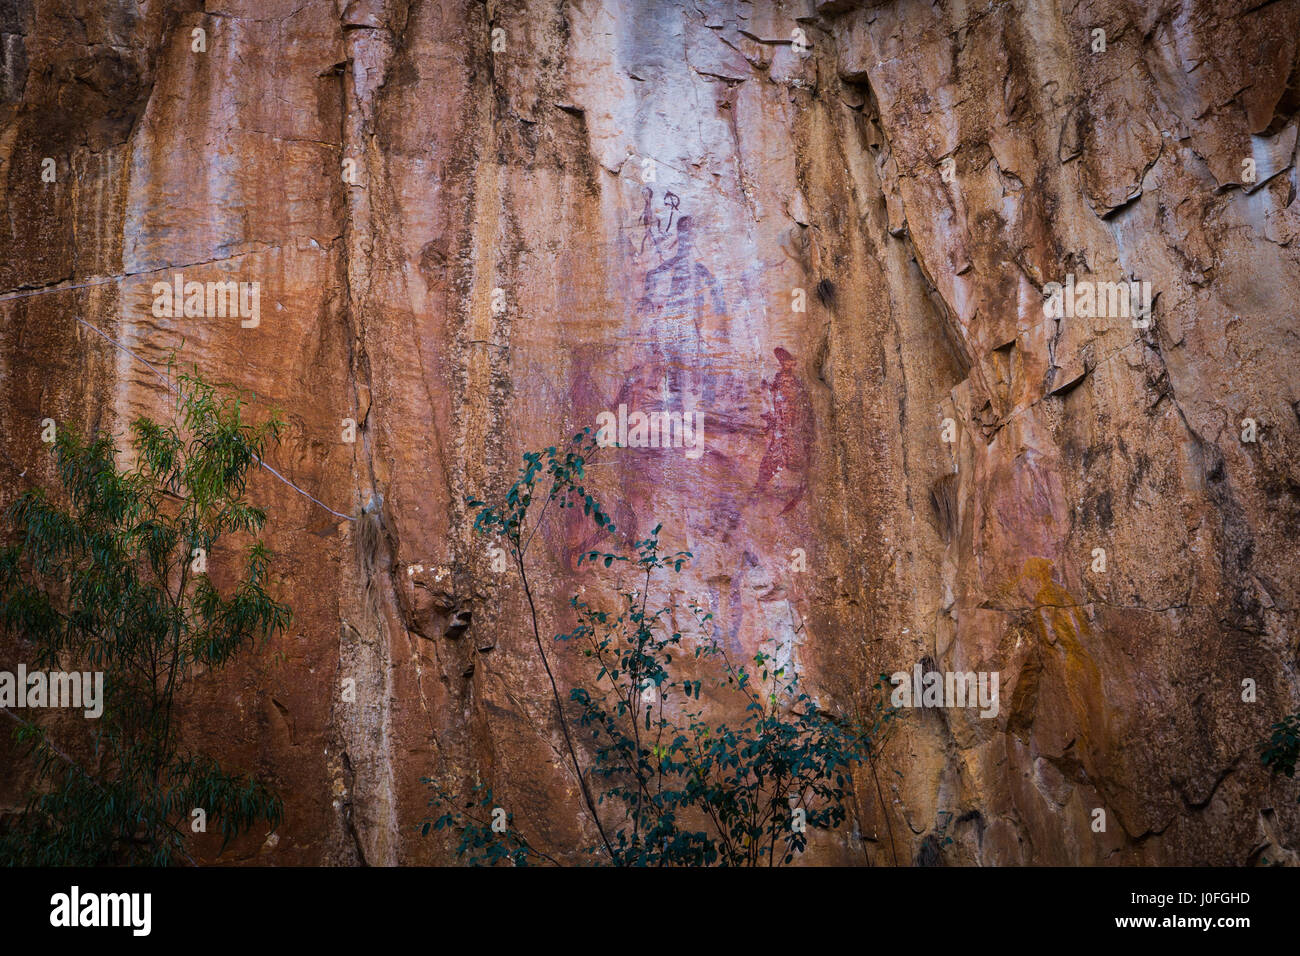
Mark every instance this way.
x=1060 y=623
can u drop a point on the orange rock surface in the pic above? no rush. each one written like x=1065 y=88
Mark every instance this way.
x=828 y=226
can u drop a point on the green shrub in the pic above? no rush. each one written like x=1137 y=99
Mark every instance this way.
x=108 y=576
x=1280 y=751
x=663 y=784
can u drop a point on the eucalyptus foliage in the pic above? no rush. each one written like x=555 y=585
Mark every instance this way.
x=107 y=574
x=1280 y=752
x=662 y=783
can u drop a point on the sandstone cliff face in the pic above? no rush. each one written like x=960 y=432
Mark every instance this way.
x=647 y=184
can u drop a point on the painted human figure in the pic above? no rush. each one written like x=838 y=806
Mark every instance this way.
x=688 y=279
x=652 y=227
x=788 y=427
x=649 y=221
x=677 y=293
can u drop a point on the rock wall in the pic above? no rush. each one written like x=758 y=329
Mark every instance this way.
x=832 y=228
